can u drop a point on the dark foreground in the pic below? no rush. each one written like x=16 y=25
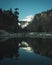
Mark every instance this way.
x=26 y=50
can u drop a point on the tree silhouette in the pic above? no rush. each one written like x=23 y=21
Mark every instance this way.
x=9 y=20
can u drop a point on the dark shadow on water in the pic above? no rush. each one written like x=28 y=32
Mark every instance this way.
x=9 y=48
x=24 y=54
x=42 y=46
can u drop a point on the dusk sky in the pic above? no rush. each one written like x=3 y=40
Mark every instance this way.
x=27 y=7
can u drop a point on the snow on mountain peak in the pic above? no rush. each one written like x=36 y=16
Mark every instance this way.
x=28 y=18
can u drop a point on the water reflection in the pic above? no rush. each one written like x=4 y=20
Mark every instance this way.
x=24 y=52
x=41 y=46
x=8 y=49
x=24 y=45
x=27 y=49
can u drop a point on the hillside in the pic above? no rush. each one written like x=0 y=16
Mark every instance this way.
x=42 y=22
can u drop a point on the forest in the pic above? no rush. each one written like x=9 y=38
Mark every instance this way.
x=9 y=20
x=42 y=22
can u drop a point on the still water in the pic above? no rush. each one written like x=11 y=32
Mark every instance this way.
x=26 y=56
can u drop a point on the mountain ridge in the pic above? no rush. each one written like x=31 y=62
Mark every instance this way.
x=42 y=22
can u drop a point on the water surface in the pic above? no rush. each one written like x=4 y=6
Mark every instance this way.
x=26 y=56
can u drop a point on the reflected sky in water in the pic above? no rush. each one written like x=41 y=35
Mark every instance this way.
x=27 y=57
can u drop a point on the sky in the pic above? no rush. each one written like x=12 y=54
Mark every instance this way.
x=27 y=7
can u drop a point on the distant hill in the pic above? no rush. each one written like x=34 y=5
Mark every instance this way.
x=42 y=22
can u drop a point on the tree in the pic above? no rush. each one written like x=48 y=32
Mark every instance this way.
x=9 y=20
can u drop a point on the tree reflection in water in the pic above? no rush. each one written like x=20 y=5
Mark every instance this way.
x=41 y=46
x=9 y=48
x=24 y=53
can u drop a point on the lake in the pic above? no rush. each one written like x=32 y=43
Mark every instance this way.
x=25 y=54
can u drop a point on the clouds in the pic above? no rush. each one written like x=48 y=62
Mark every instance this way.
x=28 y=18
x=26 y=21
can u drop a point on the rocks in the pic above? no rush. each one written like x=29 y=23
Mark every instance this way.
x=42 y=22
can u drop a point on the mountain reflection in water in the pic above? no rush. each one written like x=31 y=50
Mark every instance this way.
x=26 y=56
